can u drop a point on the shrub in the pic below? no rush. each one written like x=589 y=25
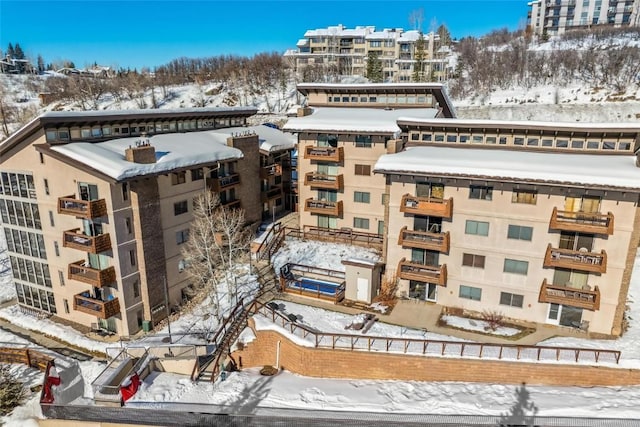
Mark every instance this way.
x=12 y=391
x=494 y=319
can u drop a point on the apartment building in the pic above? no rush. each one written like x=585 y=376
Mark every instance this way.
x=554 y=17
x=341 y=135
x=538 y=221
x=344 y=51
x=95 y=205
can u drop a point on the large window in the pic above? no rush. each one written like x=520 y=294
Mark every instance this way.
x=361 y=197
x=513 y=300
x=480 y=192
x=479 y=228
x=180 y=207
x=516 y=267
x=528 y=197
x=363 y=170
x=178 y=178
x=473 y=260
x=361 y=223
x=364 y=141
x=182 y=236
x=520 y=232
x=469 y=292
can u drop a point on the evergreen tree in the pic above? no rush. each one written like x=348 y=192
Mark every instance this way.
x=10 y=51
x=444 y=34
x=374 y=67
x=40 y=62
x=19 y=53
x=419 y=57
x=12 y=391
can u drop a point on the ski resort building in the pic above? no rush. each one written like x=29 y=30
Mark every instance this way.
x=95 y=205
x=558 y=16
x=535 y=220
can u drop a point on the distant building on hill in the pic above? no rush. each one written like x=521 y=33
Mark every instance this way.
x=343 y=52
x=554 y=17
x=10 y=65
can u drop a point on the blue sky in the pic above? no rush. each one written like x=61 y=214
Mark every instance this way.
x=152 y=32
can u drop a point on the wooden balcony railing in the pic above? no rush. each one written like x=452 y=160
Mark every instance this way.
x=93 y=276
x=223 y=182
x=321 y=180
x=581 y=222
x=579 y=260
x=423 y=273
x=581 y=298
x=431 y=206
x=92 y=244
x=272 y=193
x=102 y=309
x=270 y=170
x=424 y=240
x=323 y=207
x=88 y=209
x=324 y=154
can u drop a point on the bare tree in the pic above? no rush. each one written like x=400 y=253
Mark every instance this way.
x=218 y=242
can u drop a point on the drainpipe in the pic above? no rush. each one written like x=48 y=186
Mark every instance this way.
x=278 y=355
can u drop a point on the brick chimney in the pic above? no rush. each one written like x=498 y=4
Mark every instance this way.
x=143 y=152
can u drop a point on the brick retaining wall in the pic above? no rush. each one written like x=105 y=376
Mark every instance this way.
x=327 y=363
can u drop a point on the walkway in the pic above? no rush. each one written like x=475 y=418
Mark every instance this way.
x=424 y=315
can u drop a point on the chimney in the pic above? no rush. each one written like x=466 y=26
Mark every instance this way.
x=304 y=111
x=143 y=152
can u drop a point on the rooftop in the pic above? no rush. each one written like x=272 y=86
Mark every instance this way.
x=366 y=120
x=597 y=171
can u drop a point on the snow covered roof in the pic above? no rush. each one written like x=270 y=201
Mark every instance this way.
x=147 y=112
x=273 y=140
x=521 y=124
x=303 y=42
x=411 y=36
x=339 y=30
x=598 y=171
x=173 y=151
x=369 y=120
x=387 y=33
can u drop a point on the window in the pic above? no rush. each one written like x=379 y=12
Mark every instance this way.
x=182 y=236
x=127 y=224
x=132 y=257
x=469 y=292
x=66 y=306
x=46 y=186
x=125 y=191
x=363 y=170
x=480 y=192
x=136 y=289
x=472 y=260
x=364 y=141
x=178 y=178
x=516 y=267
x=518 y=140
x=361 y=197
x=180 y=207
x=479 y=228
x=528 y=197
x=51 y=219
x=514 y=300
x=520 y=232
x=361 y=223
x=61 y=277
x=56 y=248
x=197 y=174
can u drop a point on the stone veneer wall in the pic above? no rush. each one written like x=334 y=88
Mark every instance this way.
x=327 y=363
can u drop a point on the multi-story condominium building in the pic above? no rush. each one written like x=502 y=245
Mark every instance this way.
x=345 y=130
x=554 y=17
x=539 y=221
x=344 y=51
x=95 y=205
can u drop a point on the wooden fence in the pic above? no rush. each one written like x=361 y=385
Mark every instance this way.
x=32 y=358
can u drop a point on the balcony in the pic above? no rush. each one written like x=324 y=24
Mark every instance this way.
x=321 y=180
x=323 y=207
x=324 y=154
x=235 y=203
x=581 y=298
x=272 y=193
x=272 y=170
x=102 y=309
x=592 y=262
x=93 y=276
x=87 y=209
x=424 y=240
x=422 y=273
x=431 y=206
x=582 y=222
x=92 y=244
x=222 y=183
